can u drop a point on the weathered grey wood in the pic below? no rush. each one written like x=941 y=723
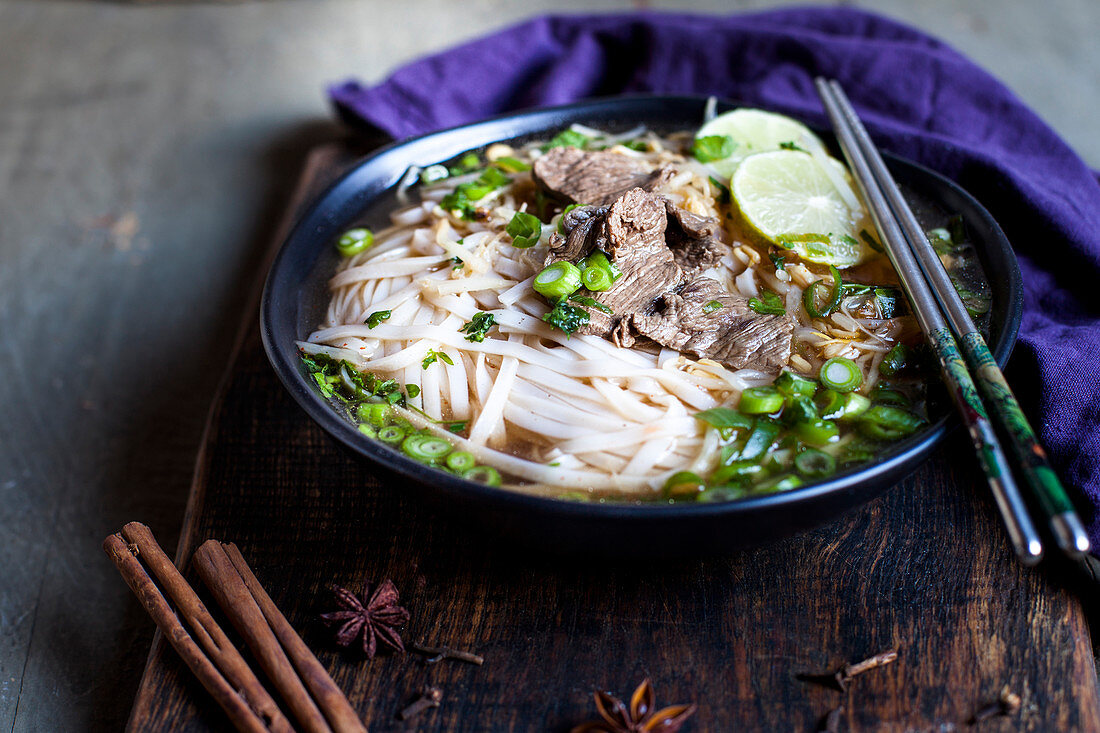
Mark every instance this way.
x=145 y=153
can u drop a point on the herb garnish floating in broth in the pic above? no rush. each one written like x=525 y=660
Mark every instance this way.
x=699 y=316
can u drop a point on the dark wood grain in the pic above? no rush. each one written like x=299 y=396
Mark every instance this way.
x=924 y=570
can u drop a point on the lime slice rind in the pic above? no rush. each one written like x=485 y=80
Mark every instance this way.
x=783 y=195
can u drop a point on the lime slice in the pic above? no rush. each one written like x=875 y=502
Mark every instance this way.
x=785 y=198
x=753 y=131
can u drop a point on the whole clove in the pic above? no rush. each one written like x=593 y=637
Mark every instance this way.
x=438 y=654
x=1007 y=703
x=848 y=671
x=832 y=720
x=430 y=697
x=840 y=678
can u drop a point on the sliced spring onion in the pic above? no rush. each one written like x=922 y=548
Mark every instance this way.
x=812 y=463
x=425 y=448
x=887 y=395
x=368 y=431
x=760 y=440
x=483 y=474
x=596 y=279
x=842 y=405
x=509 y=164
x=780 y=483
x=721 y=493
x=391 y=434
x=354 y=241
x=886 y=422
x=760 y=401
x=857 y=451
x=791 y=385
x=683 y=485
x=598 y=259
x=373 y=413
x=434 y=173
x=894 y=361
x=561 y=221
x=525 y=230
x=737 y=472
x=840 y=374
x=832 y=297
x=799 y=409
x=460 y=461
x=817 y=432
x=559 y=280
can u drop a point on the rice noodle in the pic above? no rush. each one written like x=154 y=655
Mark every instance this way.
x=549 y=410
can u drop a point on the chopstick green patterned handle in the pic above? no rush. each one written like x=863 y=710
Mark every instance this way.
x=1051 y=496
x=1021 y=532
x=1048 y=491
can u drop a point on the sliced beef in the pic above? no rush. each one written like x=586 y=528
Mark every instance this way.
x=575 y=176
x=635 y=230
x=683 y=223
x=733 y=335
x=584 y=231
x=696 y=241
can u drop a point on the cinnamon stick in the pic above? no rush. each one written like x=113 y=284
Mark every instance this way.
x=341 y=716
x=248 y=711
x=228 y=587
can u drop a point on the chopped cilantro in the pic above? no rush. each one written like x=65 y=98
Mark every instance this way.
x=458 y=264
x=433 y=355
x=478 y=326
x=791 y=145
x=565 y=317
x=713 y=147
x=591 y=303
x=464 y=196
x=525 y=230
x=778 y=260
x=768 y=303
x=871 y=241
x=412 y=390
x=376 y=318
x=712 y=305
x=723 y=190
x=567 y=138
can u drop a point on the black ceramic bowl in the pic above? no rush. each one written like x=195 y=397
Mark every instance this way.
x=296 y=295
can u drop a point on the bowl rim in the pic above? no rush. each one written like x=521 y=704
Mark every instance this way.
x=283 y=356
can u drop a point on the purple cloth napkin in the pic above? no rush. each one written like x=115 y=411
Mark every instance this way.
x=919 y=98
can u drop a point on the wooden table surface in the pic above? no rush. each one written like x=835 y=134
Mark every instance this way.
x=735 y=635
x=146 y=154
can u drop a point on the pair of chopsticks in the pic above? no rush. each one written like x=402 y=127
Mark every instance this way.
x=309 y=692
x=943 y=318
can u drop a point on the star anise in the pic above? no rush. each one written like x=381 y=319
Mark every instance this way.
x=640 y=717
x=375 y=617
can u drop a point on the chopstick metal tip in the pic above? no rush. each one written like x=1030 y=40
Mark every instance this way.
x=1070 y=534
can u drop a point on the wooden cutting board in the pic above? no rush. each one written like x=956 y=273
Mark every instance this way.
x=925 y=570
